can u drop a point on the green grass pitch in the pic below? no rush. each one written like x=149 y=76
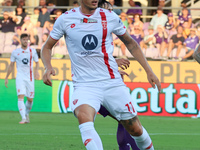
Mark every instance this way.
x=48 y=131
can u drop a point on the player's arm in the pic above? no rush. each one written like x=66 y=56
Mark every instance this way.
x=46 y=59
x=136 y=51
x=37 y=75
x=10 y=69
x=196 y=54
x=122 y=63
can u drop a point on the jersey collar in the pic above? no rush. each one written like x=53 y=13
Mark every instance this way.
x=87 y=15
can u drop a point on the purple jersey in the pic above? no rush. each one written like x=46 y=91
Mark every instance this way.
x=159 y=39
x=134 y=11
x=192 y=42
x=182 y=19
x=168 y=25
x=137 y=38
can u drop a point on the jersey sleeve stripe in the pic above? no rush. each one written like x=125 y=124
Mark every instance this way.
x=31 y=65
x=104 y=25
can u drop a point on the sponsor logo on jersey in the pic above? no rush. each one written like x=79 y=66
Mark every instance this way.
x=89 y=53
x=89 y=42
x=88 y=20
x=75 y=101
x=25 y=61
x=73 y=25
x=24 y=51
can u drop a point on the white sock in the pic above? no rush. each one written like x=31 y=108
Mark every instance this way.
x=90 y=137
x=28 y=106
x=144 y=141
x=21 y=108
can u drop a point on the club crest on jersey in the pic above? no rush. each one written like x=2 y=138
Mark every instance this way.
x=25 y=61
x=88 y=20
x=89 y=42
x=104 y=24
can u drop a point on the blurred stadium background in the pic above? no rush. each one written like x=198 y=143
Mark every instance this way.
x=167 y=116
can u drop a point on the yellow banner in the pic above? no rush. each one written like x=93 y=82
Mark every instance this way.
x=167 y=72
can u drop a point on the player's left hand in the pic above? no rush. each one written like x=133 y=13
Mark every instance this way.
x=46 y=76
x=123 y=63
x=153 y=80
x=6 y=82
x=122 y=73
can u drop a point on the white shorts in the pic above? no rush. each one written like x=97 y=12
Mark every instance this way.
x=112 y=94
x=25 y=87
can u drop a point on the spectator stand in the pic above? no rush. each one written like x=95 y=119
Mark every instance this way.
x=60 y=51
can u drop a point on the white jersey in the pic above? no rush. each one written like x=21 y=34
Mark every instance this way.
x=24 y=60
x=89 y=42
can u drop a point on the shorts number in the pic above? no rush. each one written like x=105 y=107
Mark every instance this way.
x=32 y=93
x=130 y=105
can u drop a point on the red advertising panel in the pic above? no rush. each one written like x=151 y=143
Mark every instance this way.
x=182 y=100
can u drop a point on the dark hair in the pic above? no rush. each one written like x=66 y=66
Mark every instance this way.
x=19 y=6
x=36 y=8
x=75 y=2
x=102 y=4
x=58 y=10
x=23 y=35
x=183 y=2
x=50 y=2
x=46 y=34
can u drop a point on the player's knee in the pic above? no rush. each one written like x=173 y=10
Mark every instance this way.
x=133 y=126
x=20 y=96
x=137 y=131
x=84 y=114
x=30 y=99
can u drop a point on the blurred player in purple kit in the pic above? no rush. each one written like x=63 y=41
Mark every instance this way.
x=123 y=137
x=124 y=140
x=88 y=35
x=24 y=57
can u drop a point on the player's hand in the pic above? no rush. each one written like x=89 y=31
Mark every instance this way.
x=46 y=76
x=6 y=82
x=123 y=63
x=153 y=80
x=122 y=73
x=37 y=75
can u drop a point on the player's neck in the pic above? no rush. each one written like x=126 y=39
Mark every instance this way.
x=24 y=48
x=86 y=11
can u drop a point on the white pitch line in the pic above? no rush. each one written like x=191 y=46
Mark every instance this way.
x=197 y=134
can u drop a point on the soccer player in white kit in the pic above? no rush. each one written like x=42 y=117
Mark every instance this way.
x=88 y=34
x=24 y=57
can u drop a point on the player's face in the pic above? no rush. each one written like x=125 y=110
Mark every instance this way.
x=90 y=4
x=24 y=41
